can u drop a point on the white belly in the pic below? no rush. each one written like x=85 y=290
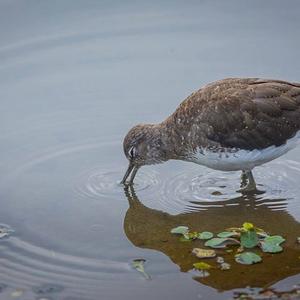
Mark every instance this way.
x=242 y=159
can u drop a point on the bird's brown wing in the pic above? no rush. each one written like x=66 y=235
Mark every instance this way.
x=244 y=113
x=255 y=115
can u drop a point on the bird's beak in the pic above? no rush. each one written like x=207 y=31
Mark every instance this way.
x=132 y=169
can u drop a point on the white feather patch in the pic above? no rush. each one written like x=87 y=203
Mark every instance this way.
x=241 y=159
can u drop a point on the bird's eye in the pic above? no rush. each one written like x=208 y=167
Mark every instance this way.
x=132 y=152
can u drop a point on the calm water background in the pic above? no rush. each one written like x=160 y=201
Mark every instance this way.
x=75 y=76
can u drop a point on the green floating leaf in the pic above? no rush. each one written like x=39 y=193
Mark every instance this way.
x=271 y=244
x=274 y=239
x=138 y=264
x=180 y=230
x=202 y=266
x=270 y=248
x=247 y=258
x=249 y=239
x=221 y=242
x=227 y=234
x=205 y=235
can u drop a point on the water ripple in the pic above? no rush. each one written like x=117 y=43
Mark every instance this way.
x=188 y=190
x=95 y=183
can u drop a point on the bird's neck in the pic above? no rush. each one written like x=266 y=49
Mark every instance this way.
x=171 y=140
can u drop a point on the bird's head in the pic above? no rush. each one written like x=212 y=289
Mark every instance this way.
x=142 y=146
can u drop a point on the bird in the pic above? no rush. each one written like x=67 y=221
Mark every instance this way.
x=233 y=124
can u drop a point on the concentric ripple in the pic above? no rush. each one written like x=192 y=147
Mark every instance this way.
x=205 y=188
x=67 y=102
x=95 y=183
x=46 y=272
x=196 y=187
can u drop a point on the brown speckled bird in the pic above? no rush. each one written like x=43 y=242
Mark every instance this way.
x=229 y=125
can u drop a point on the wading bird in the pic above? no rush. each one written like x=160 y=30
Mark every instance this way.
x=229 y=125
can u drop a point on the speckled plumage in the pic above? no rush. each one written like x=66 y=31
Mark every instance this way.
x=223 y=117
x=238 y=113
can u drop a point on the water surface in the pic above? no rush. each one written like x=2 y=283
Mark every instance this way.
x=75 y=76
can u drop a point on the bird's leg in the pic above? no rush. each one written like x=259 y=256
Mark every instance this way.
x=250 y=186
x=243 y=179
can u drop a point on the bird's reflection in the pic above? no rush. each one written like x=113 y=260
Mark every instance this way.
x=150 y=228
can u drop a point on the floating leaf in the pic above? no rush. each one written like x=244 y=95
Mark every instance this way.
x=204 y=253
x=5 y=231
x=202 y=266
x=260 y=231
x=247 y=258
x=226 y=234
x=225 y=266
x=180 y=230
x=220 y=242
x=274 y=239
x=205 y=235
x=138 y=264
x=262 y=234
x=271 y=244
x=270 y=248
x=191 y=235
x=240 y=249
x=220 y=260
x=203 y=273
x=248 y=226
x=249 y=239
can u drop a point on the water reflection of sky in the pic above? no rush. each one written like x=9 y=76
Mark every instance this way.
x=74 y=77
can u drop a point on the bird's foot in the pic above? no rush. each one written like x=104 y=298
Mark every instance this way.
x=248 y=185
x=249 y=188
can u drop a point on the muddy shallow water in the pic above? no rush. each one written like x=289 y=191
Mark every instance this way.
x=74 y=77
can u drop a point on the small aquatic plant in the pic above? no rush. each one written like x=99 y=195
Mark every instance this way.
x=236 y=240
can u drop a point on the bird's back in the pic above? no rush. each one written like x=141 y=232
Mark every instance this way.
x=247 y=114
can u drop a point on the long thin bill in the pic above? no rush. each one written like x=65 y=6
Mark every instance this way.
x=130 y=168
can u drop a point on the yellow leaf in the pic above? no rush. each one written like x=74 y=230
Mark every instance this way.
x=248 y=226
x=204 y=253
x=202 y=266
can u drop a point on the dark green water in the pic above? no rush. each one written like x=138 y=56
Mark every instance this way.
x=75 y=76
